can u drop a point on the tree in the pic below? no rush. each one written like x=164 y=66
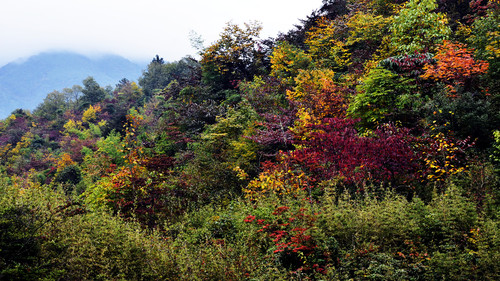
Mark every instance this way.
x=330 y=9
x=317 y=94
x=160 y=74
x=347 y=42
x=92 y=92
x=418 y=28
x=232 y=58
x=380 y=94
x=53 y=106
x=336 y=151
x=326 y=44
x=455 y=67
x=73 y=94
x=158 y=60
x=154 y=78
x=287 y=60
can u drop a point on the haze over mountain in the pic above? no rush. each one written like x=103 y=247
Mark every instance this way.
x=24 y=84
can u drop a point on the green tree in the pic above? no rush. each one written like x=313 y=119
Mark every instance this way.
x=53 y=106
x=380 y=94
x=418 y=28
x=72 y=95
x=92 y=92
x=153 y=78
x=159 y=74
x=485 y=38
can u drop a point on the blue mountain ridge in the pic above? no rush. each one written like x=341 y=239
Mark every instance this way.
x=25 y=84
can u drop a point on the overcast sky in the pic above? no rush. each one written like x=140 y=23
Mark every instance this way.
x=135 y=29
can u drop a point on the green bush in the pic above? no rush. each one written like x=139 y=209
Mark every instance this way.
x=391 y=238
x=381 y=95
x=45 y=237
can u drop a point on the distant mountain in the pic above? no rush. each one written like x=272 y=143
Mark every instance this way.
x=25 y=84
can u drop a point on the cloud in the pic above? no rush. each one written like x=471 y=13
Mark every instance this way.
x=135 y=29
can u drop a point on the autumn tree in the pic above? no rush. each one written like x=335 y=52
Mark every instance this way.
x=455 y=67
x=317 y=93
x=330 y=9
x=347 y=42
x=235 y=56
x=336 y=152
x=267 y=96
x=326 y=44
x=485 y=36
x=287 y=60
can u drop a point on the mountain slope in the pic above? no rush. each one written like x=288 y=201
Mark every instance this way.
x=25 y=84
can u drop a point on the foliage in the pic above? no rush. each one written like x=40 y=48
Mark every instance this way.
x=496 y=149
x=456 y=67
x=484 y=38
x=418 y=28
x=365 y=27
x=53 y=106
x=233 y=57
x=278 y=180
x=159 y=74
x=317 y=92
x=287 y=60
x=105 y=247
x=380 y=95
x=347 y=43
x=403 y=239
x=335 y=152
x=92 y=92
x=366 y=39
x=141 y=188
x=361 y=145
x=411 y=66
x=443 y=156
x=225 y=156
x=469 y=115
x=90 y=114
x=326 y=46
x=290 y=232
x=267 y=97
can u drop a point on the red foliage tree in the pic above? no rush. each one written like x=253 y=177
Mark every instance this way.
x=336 y=150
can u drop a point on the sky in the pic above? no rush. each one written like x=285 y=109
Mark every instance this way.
x=135 y=29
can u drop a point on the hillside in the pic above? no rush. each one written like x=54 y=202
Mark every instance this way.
x=25 y=84
x=363 y=144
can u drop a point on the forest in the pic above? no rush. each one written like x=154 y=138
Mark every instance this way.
x=362 y=144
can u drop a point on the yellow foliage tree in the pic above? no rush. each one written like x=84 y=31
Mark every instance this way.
x=64 y=161
x=91 y=113
x=326 y=45
x=287 y=60
x=280 y=180
x=367 y=27
x=234 y=56
x=442 y=163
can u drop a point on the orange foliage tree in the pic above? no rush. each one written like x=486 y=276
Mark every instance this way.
x=455 y=67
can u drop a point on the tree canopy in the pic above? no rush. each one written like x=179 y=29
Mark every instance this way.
x=364 y=144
